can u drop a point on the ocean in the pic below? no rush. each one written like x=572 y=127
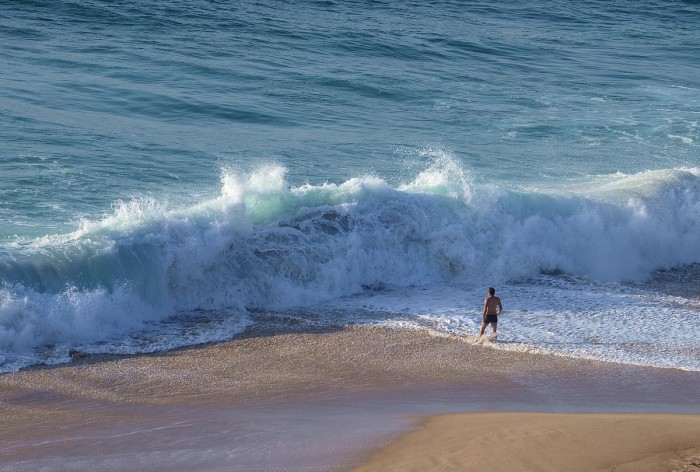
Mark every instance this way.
x=175 y=173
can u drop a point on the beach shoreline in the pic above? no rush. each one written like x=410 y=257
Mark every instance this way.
x=327 y=399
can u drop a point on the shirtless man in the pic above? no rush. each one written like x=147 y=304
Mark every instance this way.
x=492 y=308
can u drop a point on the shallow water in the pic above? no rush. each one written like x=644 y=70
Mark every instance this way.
x=324 y=432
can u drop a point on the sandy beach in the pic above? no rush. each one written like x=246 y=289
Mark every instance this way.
x=332 y=400
x=544 y=441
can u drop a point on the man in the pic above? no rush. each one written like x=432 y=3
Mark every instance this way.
x=492 y=308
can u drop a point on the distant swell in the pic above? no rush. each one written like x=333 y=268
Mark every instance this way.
x=262 y=244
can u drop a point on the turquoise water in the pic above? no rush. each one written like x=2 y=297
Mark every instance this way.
x=170 y=171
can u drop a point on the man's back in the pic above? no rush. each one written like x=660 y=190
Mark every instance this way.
x=491 y=303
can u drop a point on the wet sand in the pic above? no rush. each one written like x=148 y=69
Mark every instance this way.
x=298 y=401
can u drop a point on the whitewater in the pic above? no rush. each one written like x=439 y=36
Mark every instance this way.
x=584 y=270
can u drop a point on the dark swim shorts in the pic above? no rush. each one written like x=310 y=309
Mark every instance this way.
x=491 y=319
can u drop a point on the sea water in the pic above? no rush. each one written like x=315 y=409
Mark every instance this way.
x=174 y=173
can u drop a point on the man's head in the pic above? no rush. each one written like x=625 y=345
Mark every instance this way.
x=492 y=291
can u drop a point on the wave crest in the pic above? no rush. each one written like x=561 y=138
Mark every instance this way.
x=263 y=244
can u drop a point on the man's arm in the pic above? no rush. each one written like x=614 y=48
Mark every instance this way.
x=486 y=301
x=500 y=307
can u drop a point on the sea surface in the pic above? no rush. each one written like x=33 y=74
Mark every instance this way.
x=177 y=172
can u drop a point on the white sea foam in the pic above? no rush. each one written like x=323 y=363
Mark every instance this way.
x=683 y=139
x=264 y=245
x=576 y=318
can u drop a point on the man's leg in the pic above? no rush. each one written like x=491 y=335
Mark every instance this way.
x=484 y=324
x=494 y=325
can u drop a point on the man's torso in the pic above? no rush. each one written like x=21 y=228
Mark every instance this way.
x=491 y=304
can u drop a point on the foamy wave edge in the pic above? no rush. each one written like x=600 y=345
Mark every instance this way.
x=263 y=244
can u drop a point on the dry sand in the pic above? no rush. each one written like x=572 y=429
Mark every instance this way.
x=546 y=442
x=42 y=409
